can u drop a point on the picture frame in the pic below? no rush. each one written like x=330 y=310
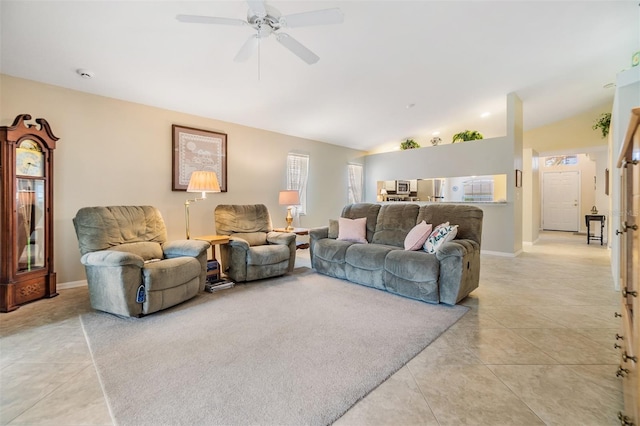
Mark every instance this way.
x=518 y=178
x=197 y=149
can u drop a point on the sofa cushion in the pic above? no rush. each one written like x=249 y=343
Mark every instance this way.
x=170 y=273
x=333 y=229
x=417 y=236
x=368 y=210
x=413 y=274
x=253 y=238
x=394 y=223
x=439 y=236
x=268 y=254
x=145 y=249
x=354 y=230
x=364 y=264
x=468 y=218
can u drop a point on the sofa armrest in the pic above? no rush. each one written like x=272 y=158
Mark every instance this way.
x=458 y=248
x=319 y=233
x=239 y=243
x=111 y=258
x=180 y=248
x=282 y=238
x=459 y=269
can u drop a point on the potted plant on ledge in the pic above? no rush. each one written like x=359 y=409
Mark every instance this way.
x=467 y=135
x=603 y=123
x=409 y=144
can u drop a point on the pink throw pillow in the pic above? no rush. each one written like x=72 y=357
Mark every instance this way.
x=354 y=230
x=417 y=236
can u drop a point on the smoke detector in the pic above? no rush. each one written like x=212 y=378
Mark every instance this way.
x=84 y=73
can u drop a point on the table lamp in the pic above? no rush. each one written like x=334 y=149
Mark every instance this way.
x=289 y=198
x=200 y=181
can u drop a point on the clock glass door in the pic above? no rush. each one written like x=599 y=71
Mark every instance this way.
x=30 y=233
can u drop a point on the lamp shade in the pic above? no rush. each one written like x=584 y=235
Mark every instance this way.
x=289 y=198
x=202 y=181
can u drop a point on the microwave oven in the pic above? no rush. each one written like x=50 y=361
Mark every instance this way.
x=402 y=187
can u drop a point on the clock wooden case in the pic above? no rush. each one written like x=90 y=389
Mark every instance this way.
x=26 y=213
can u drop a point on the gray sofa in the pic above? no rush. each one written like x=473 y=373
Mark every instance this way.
x=446 y=276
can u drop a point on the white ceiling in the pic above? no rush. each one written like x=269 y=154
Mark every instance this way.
x=453 y=59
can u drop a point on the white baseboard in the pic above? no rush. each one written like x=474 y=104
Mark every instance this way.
x=530 y=243
x=500 y=253
x=72 y=284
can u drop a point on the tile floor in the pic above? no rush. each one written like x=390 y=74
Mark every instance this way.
x=535 y=348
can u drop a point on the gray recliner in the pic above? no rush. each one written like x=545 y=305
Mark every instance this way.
x=254 y=251
x=131 y=268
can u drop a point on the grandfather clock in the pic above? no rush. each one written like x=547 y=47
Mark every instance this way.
x=26 y=213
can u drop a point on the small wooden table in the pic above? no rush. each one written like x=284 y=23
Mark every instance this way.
x=598 y=218
x=297 y=231
x=214 y=240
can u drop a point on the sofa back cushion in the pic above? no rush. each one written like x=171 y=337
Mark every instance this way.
x=101 y=228
x=368 y=210
x=253 y=238
x=145 y=249
x=394 y=223
x=233 y=218
x=468 y=218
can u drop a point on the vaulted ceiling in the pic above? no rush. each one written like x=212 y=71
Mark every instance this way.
x=391 y=70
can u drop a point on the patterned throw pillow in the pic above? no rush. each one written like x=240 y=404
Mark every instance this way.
x=354 y=230
x=440 y=235
x=417 y=236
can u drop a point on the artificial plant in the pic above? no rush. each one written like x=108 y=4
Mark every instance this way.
x=467 y=135
x=409 y=144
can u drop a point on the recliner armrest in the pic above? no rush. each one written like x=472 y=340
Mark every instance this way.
x=282 y=238
x=238 y=242
x=111 y=258
x=179 y=248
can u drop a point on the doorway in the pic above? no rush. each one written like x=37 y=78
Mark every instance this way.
x=561 y=201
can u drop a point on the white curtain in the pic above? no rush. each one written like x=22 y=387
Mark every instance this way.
x=297 y=174
x=355 y=183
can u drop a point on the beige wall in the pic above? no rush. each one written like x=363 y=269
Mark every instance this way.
x=573 y=135
x=112 y=152
x=531 y=196
x=568 y=134
x=587 y=169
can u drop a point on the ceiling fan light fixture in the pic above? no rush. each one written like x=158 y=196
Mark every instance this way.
x=267 y=20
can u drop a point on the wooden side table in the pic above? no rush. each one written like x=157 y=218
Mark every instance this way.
x=297 y=231
x=596 y=218
x=214 y=240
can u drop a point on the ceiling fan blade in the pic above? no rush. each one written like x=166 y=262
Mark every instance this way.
x=257 y=7
x=298 y=49
x=247 y=48
x=197 y=19
x=316 y=17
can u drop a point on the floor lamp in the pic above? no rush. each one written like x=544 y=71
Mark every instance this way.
x=289 y=198
x=200 y=181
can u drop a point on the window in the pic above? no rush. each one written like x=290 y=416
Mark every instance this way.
x=478 y=189
x=355 y=183
x=564 y=160
x=297 y=174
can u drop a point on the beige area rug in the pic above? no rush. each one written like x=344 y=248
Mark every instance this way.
x=295 y=350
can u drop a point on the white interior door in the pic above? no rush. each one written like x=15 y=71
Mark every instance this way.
x=561 y=201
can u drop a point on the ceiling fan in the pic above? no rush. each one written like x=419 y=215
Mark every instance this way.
x=267 y=20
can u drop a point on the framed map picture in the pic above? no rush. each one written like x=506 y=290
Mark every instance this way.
x=196 y=149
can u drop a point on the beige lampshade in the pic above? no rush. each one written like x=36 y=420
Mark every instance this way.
x=289 y=198
x=204 y=182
